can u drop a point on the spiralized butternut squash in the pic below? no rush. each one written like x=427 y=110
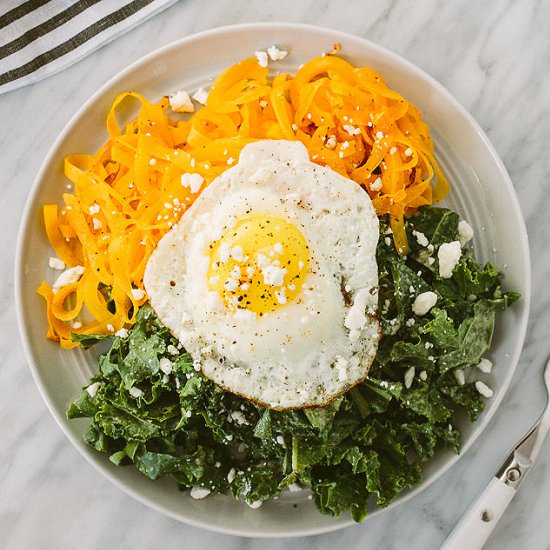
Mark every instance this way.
x=129 y=193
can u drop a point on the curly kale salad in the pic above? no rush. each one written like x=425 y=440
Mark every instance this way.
x=149 y=407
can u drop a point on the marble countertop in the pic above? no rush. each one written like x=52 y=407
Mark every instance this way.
x=495 y=58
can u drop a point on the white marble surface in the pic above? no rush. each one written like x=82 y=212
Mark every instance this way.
x=495 y=58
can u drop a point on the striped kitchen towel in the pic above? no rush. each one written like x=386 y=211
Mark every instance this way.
x=41 y=37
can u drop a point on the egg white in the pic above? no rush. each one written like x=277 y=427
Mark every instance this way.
x=310 y=350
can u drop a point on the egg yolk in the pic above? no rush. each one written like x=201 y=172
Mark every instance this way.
x=259 y=264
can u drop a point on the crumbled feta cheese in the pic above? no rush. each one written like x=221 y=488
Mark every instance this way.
x=278 y=247
x=180 y=102
x=56 y=263
x=275 y=54
x=459 y=377
x=231 y=284
x=281 y=296
x=97 y=224
x=387 y=241
x=165 y=365
x=92 y=389
x=280 y=440
x=172 y=350
x=77 y=324
x=69 y=276
x=484 y=390
x=237 y=253
x=138 y=294
x=448 y=256
x=421 y=239
x=110 y=328
x=152 y=162
x=94 y=209
x=225 y=253
x=408 y=152
x=423 y=375
x=465 y=232
x=238 y=417
x=273 y=275
x=261 y=56
x=193 y=181
x=356 y=318
x=485 y=366
x=376 y=185
x=379 y=135
x=199 y=493
x=424 y=302
x=410 y=322
x=330 y=143
x=255 y=505
x=201 y=96
x=122 y=333
x=231 y=475
x=135 y=392
x=409 y=376
x=351 y=130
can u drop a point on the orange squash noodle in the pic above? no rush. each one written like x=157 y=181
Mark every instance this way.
x=130 y=192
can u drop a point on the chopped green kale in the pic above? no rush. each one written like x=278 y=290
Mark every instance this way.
x=149 y=407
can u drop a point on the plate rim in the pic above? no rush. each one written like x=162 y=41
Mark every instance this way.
x=29 y=209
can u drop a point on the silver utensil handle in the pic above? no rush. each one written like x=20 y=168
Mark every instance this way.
x=473 y=530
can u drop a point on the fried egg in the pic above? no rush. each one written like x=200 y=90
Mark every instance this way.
x=270 y=279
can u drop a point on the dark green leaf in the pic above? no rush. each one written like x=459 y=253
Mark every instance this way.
x=474 y=336
x=439 y=225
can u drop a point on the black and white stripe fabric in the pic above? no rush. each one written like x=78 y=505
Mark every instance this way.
x=41 y=37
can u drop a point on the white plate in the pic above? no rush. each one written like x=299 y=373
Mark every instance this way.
x=481 y=192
